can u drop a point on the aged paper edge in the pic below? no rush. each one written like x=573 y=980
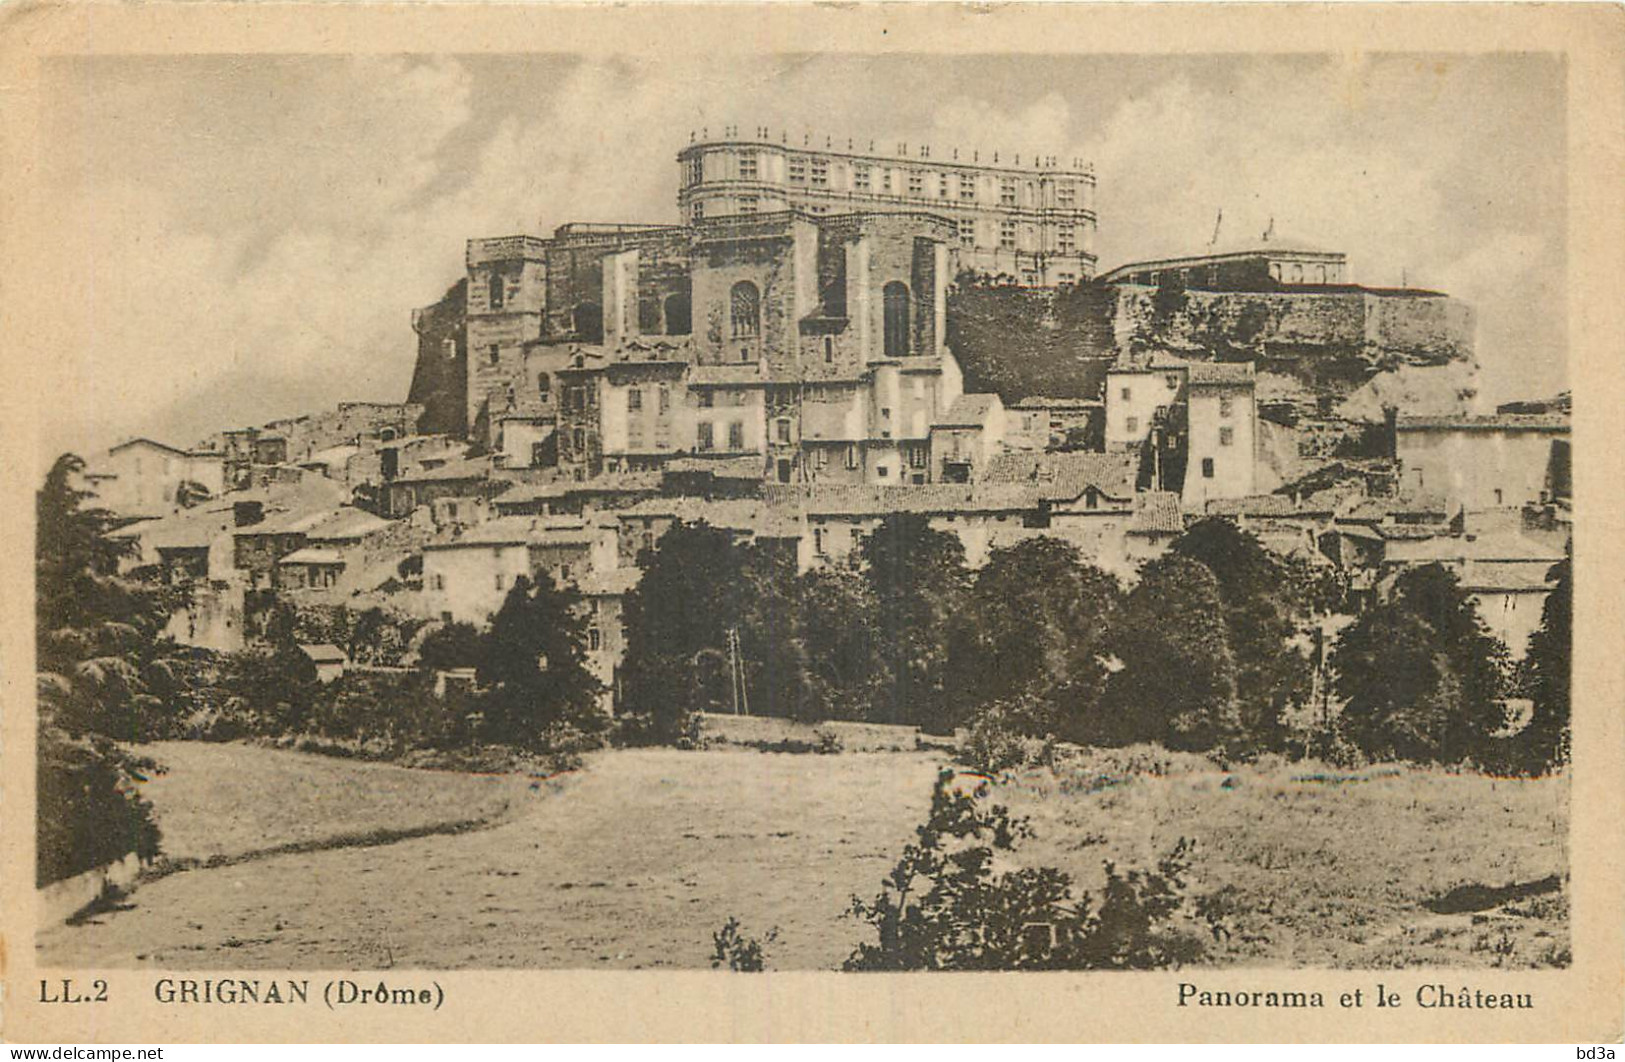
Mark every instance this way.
x=1584 y=1003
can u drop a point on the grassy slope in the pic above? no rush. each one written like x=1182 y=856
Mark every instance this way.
x=230 y=800
x=634 y=862
x=1329 y=872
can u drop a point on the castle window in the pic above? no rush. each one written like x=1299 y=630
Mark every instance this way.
x=747 y=204
x=696 y=211
x=967 y=187
x=1227 y=436
x=1066 y=239
x=665 y=398
x=895 y=299
x=704 y=439
x=1128 y=393
x=1007 y=235
x=736 y=435
x=499 y=291
x=634 y=399
x=1007 y=191
x=595 y=640
x=967 y=231
x=744 y=303
x=703 y=398
x=1132 y=425
x=851 y=455
x=747 y=166
x=798 y=169
x=860 y=178
x=1227 y=405
x=942 y=186
x=818 y=541
x=819 y=169
x=829 y=350
x=916 y=182
x=1207 y=468
x=781 y=429
x=544 y=387
x=578 y=439
x=588 y=319
x=885 y=180
x=1065 y=194
x=679 y=320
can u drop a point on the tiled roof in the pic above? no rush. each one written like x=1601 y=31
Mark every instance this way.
x=323 y=653
x=968 y=411
x=1064 y=476
x=612 y=583
x=719 y=467
x=1042 y=402
x=1493 y=422
x=1220 y=374
x=928 y=499
x=739 y=375
x=1157 y=512
x=1270 y=505
x=1374 y=509
x=461 y=468
x=348 y=522
x=313 y=556
x=522 y=530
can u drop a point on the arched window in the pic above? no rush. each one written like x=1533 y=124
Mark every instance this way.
x=499 y=291
x=895 y=298
x=745 y=309
x=589 y=322
x=678 y=315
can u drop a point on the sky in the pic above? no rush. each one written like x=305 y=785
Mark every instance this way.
x=243 y=238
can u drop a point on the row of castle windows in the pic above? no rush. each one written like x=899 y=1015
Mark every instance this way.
x=814 y=172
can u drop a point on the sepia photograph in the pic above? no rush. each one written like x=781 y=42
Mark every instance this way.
x=816 y=509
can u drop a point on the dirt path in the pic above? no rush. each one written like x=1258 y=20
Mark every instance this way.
x=633 y=864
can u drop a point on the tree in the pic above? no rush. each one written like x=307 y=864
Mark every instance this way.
x=1544 y=742
x=692 y=591
x=838 y=628
x=450 y=646
x=949 y=903
x=918 y=578
x=97 y=647
x=1401 y=693
x=1480 y=664
x=534 y=666
x=1264 y=606
x=97 y=632
x=1177 y=682
x=1035 y=628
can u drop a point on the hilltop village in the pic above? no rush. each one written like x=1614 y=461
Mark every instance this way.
x=827 y=336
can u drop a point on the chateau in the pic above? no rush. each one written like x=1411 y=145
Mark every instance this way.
x=831 y=336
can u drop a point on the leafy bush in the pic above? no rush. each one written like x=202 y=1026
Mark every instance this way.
x=998 y=741
x=89 y=811
x=943 y=907
x=739 y=953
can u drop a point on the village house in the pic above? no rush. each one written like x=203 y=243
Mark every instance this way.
x=1504 y=460
x=146 y=478
x=467 y=576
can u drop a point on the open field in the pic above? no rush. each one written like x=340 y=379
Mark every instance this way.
x=634 y=862
x=1321 y=867
x=226 y=801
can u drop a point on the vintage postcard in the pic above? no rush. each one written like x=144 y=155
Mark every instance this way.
x=774 y=522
